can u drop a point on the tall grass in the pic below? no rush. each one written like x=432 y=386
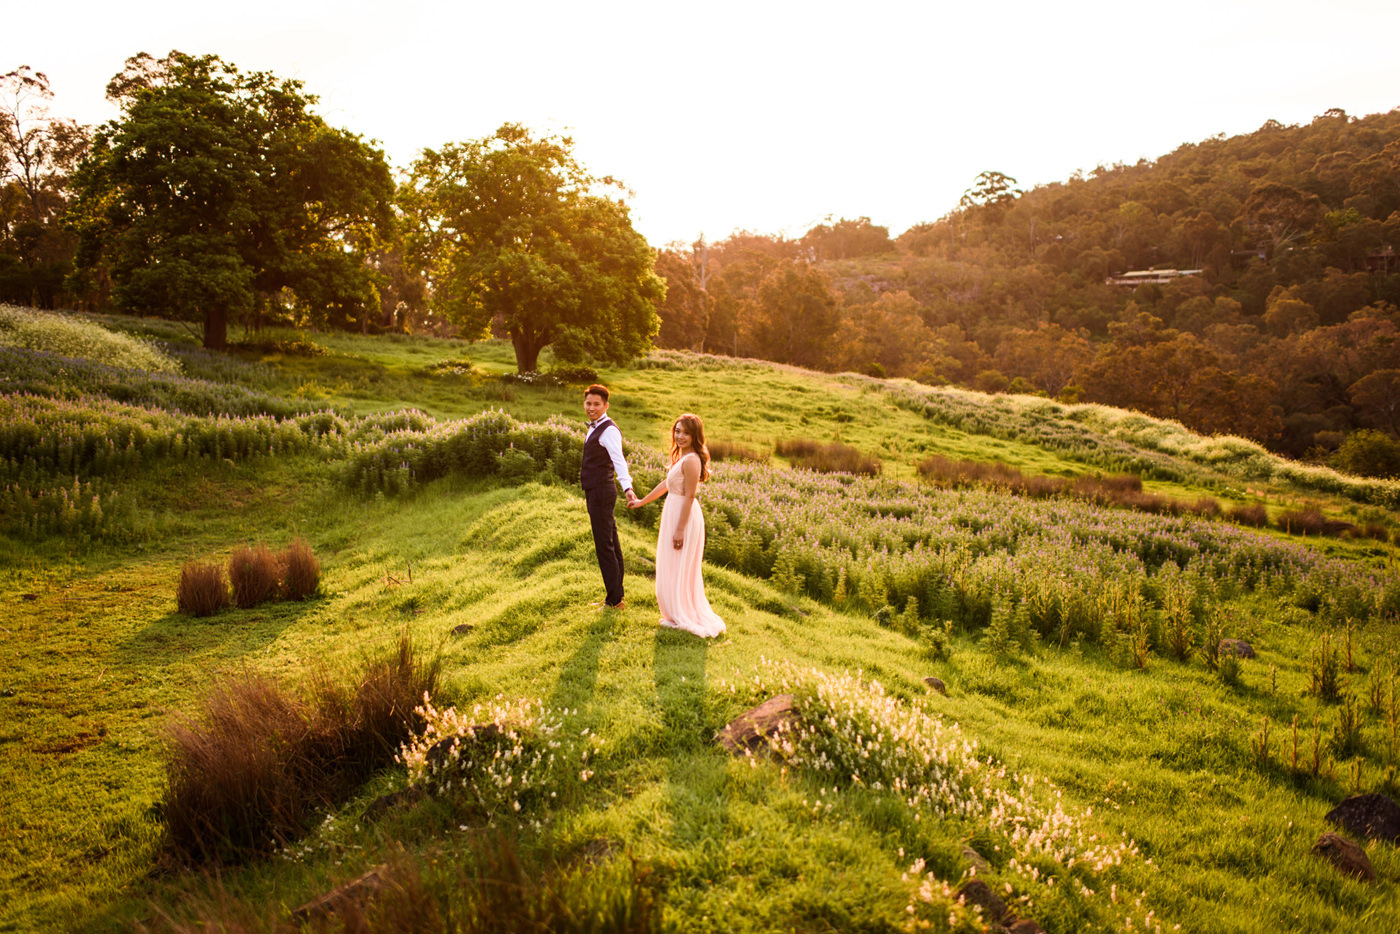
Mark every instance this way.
x=492 y=888
x=301 y=571
x=254 y=575
x=69 y=336
x=203 y=589
x=249 y=771
x=1122 y=440
x=827 y=457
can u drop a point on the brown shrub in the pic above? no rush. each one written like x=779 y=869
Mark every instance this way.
x=729 y=451
x=250 y=772
x=832 y=457
x=254 y=574
x=1376 y=531
x=203 y=590
x=1311 y=521
x=797 y=447
x=1205 y=506
x=301 y=572
x=1121 y=483
x=1252 y=515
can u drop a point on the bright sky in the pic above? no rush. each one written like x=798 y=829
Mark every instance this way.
x=766 y=115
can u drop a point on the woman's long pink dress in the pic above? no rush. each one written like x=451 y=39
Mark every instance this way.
x=680 y=592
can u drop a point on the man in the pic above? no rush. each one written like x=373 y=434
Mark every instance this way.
x=603 y=467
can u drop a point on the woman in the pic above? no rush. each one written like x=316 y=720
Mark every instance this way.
x=680 y=543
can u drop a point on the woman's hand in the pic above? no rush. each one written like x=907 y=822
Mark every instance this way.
x=679 y=539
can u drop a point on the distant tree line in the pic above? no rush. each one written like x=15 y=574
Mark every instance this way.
x=220 y=197
x=1281 y=323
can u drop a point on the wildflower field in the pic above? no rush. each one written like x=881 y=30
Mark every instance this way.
x=1091 y=754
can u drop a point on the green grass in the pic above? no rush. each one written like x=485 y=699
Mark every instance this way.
x=96 y=661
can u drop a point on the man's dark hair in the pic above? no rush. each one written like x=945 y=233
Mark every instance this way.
x=597 y=389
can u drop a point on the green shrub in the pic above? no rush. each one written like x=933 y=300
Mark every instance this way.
x=1229 y=669
x=1346 y=738
x=1324 y=670
x=1368 y=453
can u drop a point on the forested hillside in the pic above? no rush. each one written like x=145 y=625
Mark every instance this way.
x=1245 y=285
x=1272 y=312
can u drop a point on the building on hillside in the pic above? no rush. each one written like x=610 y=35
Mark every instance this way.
x=1382 y=261
x=1151 y=276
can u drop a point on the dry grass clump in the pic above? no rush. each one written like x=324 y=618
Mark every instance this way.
x=1311 y=521
x=254 y=574
x=827 y=457
x=1121 y=490
x=730 y=451
x=491 y=888
x=301 y=571
x=247 y=774
x=203 y=590
x=1253 y=514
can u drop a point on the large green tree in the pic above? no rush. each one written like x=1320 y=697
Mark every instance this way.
x=219 y=194
x=513 y=232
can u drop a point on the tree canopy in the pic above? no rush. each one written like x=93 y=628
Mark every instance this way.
x=512 y=231
x=218 y=194
x=1272 y=268
x=37 y=154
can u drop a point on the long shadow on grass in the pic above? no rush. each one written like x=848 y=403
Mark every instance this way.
x=578 y=675
x=695 y=774
x=230 y=634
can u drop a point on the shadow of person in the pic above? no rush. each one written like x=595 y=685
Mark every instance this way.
x=578 y=675
x=695 y=765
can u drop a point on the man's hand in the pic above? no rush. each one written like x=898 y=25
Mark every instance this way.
x=631 y=500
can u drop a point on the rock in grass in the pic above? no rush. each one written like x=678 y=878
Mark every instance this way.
x=351 y=893
x=386 y=803
x=1373 y=816
x=1236 y=647
x=977 y=892
x=463 y=630
x=937 y=685
x=1349 y=858
x=749 y=730
x=1025 y=926
x=975 y=861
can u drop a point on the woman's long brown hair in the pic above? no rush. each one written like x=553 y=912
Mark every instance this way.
x=696 y=429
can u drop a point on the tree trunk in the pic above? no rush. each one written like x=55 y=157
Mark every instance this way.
x=215 y=329
x=527 y=351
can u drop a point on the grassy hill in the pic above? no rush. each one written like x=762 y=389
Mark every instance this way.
x=1103 y=781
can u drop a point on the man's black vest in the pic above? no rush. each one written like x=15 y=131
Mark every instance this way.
x=597 y=468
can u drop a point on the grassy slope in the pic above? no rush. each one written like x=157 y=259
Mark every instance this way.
x=96 y=659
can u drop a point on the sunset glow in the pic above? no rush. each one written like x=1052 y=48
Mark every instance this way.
x=767 y=116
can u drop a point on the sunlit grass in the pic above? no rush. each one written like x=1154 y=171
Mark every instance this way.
x=496 y=580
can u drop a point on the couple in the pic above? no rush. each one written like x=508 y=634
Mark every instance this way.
x=680 y=543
